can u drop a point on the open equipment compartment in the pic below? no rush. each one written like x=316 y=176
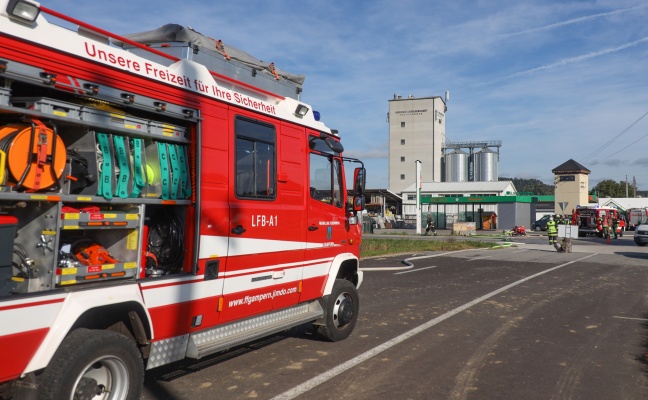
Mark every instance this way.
x=100 y=172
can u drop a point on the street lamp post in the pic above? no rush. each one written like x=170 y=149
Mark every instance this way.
x=418 y=197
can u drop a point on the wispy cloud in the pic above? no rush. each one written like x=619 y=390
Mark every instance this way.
x=368 y=154
x=643 y=162
x=581 y=58
x=571 y=21
x=615 y=162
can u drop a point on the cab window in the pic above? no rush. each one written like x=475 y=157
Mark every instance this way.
x=255 y=159
x=326 y=179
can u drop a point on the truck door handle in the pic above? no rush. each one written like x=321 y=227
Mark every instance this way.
x=312 y=228
x=238 y=230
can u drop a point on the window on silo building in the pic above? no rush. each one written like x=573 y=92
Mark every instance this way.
x=402 y=177
x=403 y=124
x=402 y=159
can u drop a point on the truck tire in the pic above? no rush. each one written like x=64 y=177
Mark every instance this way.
x=537 y=228
x=341 y=312
x=94 y=364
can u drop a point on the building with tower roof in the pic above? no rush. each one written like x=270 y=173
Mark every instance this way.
x=571 y=183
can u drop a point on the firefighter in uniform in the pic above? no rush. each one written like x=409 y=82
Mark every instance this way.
x=599 y=224
x=606 y=227
x=430 y=226
x=615 y=225
x=552 y=231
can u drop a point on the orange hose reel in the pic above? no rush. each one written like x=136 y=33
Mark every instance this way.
x=43 y=168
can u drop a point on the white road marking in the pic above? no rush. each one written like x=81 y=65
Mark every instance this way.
x=414 y=270
x=634 y=319
x=437 y=255
x=410 y=266
x=478 y=258
x=319 y=379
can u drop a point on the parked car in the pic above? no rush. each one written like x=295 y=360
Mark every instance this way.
x=541 y=224
x=641 y=234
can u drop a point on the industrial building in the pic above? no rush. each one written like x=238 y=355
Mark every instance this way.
x=473 y=161
x=447 y=169
x=416 y=132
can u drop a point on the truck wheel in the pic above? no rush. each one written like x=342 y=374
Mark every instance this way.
x=640 y=244
x=341 y=312
x=96 y=365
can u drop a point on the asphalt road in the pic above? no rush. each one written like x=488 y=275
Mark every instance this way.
x=519 y=322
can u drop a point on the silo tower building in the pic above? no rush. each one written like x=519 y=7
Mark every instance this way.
x=416 y=132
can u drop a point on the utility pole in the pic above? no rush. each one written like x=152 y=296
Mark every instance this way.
x=626 y=186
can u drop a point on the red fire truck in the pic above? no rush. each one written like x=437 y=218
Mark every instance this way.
x=636 y=217
x=162 y=196
x=591 y=220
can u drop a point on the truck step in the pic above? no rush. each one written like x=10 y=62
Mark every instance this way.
x=226 y=336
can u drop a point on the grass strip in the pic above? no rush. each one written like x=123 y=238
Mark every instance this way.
x=377 y=247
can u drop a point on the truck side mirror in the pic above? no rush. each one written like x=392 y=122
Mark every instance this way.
x=359 y=181
x=359 y=177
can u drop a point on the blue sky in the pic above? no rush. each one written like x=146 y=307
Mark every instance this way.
x=553 y=80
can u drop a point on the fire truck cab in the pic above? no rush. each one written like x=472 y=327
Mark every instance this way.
x=162 y=196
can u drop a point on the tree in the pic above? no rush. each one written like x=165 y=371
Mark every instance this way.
x=609 y=188
x=533 y=186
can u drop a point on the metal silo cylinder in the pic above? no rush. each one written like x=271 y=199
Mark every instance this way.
x=456 y=166
x=486 y=165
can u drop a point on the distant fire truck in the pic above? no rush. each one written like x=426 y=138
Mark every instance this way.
x=635 y=217
x=591 y=220
x=162 y=196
